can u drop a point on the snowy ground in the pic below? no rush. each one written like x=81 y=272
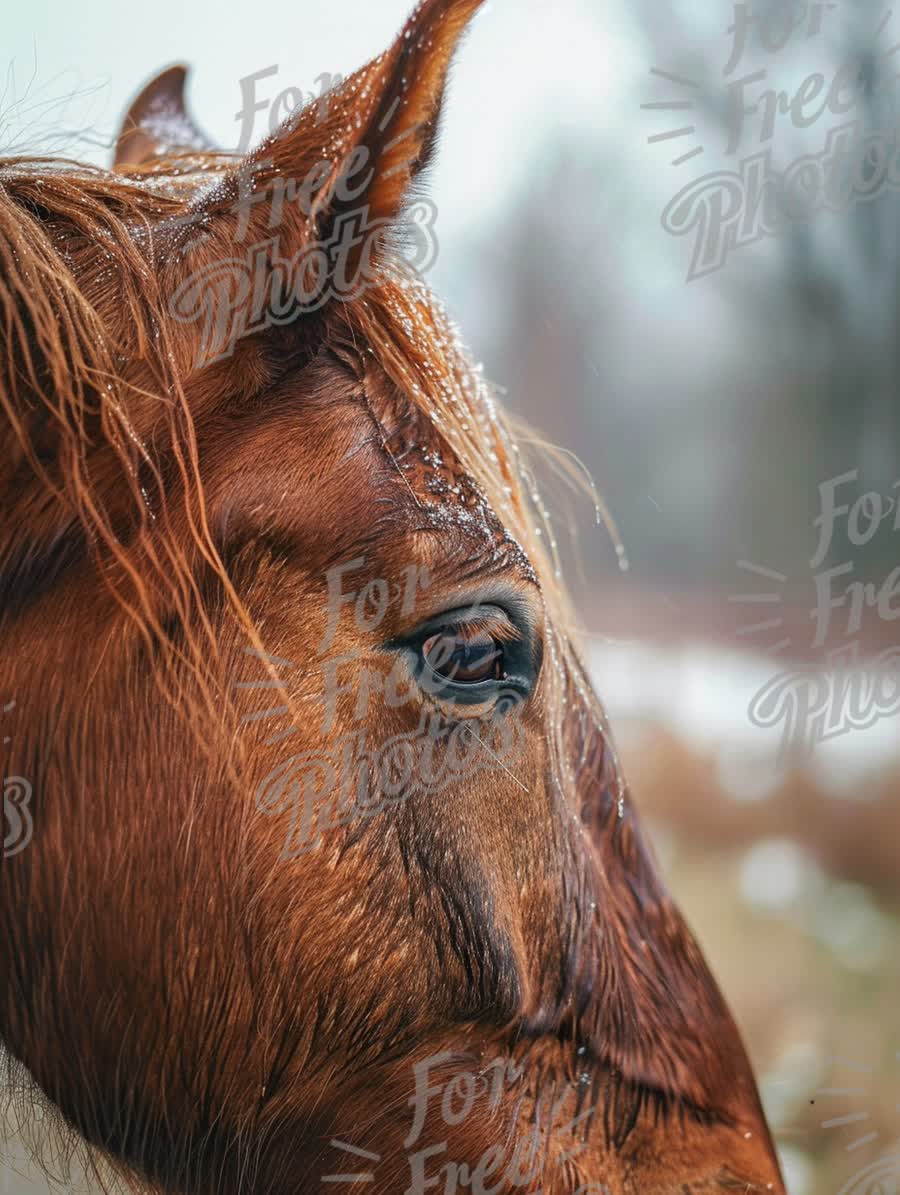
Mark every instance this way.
x=703 y=695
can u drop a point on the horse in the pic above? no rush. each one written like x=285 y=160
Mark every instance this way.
x=334 y=881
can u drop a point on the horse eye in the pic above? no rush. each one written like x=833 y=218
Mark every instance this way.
x=464 y=661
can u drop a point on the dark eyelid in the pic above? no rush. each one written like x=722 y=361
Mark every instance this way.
x=484 y=614
x=506 y=602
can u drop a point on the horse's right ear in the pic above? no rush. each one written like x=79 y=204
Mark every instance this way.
x=379 y=126
x=157 y=125
x=338 y=173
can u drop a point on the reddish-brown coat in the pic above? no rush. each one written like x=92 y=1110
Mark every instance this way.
x=209 y=1015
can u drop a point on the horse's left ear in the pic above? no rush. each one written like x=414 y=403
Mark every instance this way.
x=157 y=124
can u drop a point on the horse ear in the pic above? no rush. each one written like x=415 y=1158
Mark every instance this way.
x=389 y=109
x=157 y=124
x=376 y=131
x=308 y=214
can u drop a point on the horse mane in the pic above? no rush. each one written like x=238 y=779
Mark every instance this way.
x=88 y=381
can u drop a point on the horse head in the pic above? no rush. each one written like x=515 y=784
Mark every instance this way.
x=333 y=868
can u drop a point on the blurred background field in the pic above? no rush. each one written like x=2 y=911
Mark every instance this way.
x=709 y=413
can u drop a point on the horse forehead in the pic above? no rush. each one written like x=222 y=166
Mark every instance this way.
x=441 y=495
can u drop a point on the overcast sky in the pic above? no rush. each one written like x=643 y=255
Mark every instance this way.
x=527 y=67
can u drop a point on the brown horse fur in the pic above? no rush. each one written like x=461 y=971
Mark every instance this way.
x=207 y=1015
